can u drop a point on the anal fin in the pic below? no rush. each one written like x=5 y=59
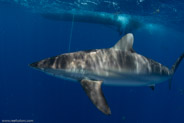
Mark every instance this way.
x=170 y=83
x=94 y=92
x=152 y=87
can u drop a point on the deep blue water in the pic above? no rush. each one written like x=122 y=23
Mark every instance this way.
x=26 y=37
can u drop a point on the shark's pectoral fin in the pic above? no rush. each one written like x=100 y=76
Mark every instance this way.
x=94 y=92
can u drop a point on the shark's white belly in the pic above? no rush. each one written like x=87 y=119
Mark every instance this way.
x=130 y=79
x=133 y=80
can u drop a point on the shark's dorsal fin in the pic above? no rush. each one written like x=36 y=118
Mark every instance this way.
x=94 y=92
x=125 y=43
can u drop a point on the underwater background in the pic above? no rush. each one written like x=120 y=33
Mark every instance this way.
x=26 y=37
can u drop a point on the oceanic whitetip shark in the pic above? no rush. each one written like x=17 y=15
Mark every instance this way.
x=119 y=65
x=121 y=22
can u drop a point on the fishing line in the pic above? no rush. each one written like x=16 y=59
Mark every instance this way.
x=71 y=33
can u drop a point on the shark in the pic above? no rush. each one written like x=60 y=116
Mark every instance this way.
x=122 y=23
x=119 y=65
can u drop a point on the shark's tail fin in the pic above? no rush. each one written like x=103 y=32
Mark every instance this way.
x=174 y=67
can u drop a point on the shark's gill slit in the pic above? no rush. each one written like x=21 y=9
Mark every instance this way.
x=71 y=33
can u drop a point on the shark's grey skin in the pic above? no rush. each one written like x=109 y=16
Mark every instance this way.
x=122 y=22
x=118 y=65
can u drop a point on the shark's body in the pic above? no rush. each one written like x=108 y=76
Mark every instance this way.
x=118 y=65
x=121 y=22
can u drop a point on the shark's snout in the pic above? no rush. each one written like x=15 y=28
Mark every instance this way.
x=43 y=64
x=35 y=64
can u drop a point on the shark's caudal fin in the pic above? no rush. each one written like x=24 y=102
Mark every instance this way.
x=174 y=67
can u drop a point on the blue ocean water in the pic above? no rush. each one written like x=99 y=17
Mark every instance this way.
x=26 y=37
